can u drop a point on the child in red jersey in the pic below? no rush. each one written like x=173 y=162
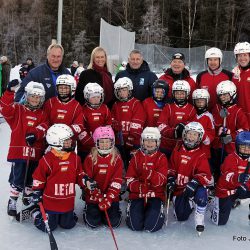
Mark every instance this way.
x=174 y=116
x=63 y=108
x=128 y=118
x=28 y=123
x=104 y=165
x=155 y=104
x=95 y=114
x=226 y=128
x=146 y=179
x=234 y=181
x=204 y=117
x=55 y=178
x=189 y=175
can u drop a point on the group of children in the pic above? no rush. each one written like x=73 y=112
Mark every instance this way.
x=159 y=146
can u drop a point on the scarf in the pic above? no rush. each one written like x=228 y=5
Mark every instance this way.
x=107 y=83
x=214 y=72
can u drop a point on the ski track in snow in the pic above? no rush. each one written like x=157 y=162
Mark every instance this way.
x=177 y=235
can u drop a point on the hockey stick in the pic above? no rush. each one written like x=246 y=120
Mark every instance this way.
x=24 y=183
x=53 y=245
x=110 y=227
x=223 y=114
x=168 y=205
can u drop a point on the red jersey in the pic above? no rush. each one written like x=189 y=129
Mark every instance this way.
x=107 y=175
x=236 y=121
x=170 y=116
x=130 y=118
x=207 y=121
x=157 y=183
x=22 y=121
x=57 y=178
x=152 y=112
x=92 y=119
x=209 y=81
x=243 y=91
x=69 y=113
x=227 y=184
x=186 y=165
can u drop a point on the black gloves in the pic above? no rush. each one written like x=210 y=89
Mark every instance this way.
x=190 y=189
x=30 y=139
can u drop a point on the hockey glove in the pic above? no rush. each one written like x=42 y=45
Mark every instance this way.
x=89 y=183
x=12 y=84
x=30 y=139
x=190 y=189
x=37 y=196
x=105 y=204
x=170 y=184
x=130 y=142
x=178 y=130
x=225 y=136
x=243 y=178
x=96 y=195
x=241 y=192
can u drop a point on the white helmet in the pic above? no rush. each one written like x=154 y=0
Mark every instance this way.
x=214 y=53
x=181 y=85
x=93 y=89
x=241 y=48
x=121 y=83
x=225 y=87
x=57 y=134
x=34 y=88
x=192 y=126
x=150 y=133
x=68 y=80
x=201 y=94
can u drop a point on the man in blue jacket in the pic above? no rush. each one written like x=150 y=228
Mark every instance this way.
x=138 y=71
x=46 y=73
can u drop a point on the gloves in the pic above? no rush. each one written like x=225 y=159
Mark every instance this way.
x=37 y=196
x=105 y=204
x=178 y=130
x=170 y=184
x=143 y=190
x=191 y=188
x=30 y=139
x=130 y=142
x=243 y=178
x=225 y=136
x=12 y=84
x=241 y=192
x=96 y=195
x=89 y=183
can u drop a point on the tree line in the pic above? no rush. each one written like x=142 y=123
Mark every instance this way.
x=28 y=26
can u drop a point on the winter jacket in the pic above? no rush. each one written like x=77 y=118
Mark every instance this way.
x=45 y=75
x=142 y=79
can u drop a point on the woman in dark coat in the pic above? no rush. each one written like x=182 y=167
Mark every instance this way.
x=97 y=72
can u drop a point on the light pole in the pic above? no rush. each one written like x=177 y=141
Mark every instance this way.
x=59 y=22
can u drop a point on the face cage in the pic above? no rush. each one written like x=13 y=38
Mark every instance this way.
x=64 y=96
x=27 y=104
x=105 y=151
x=191 y=145
x=95 y=106
x=123 y=99
x=181 y=102
x=157 y=99
x=147 y=152
x=61 y=148
x=242 y=155
x=201 y=109
x=228 y=103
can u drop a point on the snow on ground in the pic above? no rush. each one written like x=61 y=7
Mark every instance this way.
x=176 y=235
x=14 y=235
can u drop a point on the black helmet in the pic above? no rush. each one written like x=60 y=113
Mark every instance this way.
x=162 y=85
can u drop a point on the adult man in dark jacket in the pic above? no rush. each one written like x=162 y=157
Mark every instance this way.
x=6 y=67
x=138 y=71
x=46 y=73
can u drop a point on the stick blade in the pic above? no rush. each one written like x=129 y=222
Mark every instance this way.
x=223 y=113
x=53 y=245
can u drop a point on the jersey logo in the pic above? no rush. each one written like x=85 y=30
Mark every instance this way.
x=60 y=116
x=30 y=123
x=141 y=82
x=102 y=171
x=64 y=168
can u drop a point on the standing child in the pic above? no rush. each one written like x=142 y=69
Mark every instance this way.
x=104 y=165
x=146 y=179
x=175 y=115
x=128 y=118
x=28 y=123
x=189 y=175
x=234 y=182
x=55 y=178
x=95 y=114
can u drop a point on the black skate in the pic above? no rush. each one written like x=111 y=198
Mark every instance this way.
x=11 y=209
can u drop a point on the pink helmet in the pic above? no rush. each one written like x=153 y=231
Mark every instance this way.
x=104 y=133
